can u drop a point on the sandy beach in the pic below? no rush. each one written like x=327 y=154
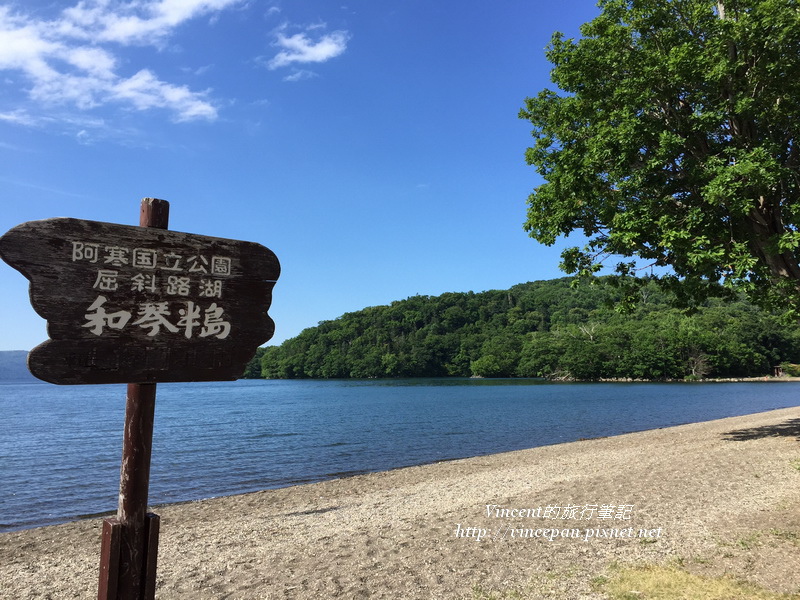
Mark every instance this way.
x=715 y=497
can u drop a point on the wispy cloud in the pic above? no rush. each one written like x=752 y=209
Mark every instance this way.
x=72 y=60
x=19 y=117
x=11 y=147
x=26 y=184
x=300 y=75
x=85 y=128
x=309 y=46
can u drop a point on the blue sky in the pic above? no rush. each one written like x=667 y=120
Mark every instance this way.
x=374 y=146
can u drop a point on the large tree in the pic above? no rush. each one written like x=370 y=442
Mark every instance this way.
x=673 y=139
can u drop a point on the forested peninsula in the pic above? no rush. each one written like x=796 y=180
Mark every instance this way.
x=539 y=329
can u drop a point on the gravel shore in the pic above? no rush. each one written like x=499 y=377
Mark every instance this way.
x=716 y=497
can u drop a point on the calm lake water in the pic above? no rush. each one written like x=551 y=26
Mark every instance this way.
x=60 y=446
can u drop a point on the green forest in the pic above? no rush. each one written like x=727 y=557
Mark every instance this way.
x=538 y=329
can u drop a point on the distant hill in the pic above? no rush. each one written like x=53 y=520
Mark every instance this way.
x=540 y=329
x=13 y=366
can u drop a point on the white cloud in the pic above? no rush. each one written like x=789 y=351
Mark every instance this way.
x=94 y=61
x=19 y=117
x=71 y=60
x=142 y=22
x=22 y=46
x=301 y=48
x=145 y=91
x=300 y=75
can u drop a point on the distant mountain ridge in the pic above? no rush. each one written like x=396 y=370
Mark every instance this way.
x=14 y=367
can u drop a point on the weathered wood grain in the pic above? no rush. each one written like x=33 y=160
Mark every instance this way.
x=132 y=304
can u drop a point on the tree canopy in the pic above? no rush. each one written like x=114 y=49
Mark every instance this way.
x=673 y=141
x=542 y=328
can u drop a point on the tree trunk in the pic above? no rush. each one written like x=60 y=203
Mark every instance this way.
x=765 y=224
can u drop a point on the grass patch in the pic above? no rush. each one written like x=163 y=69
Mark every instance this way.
x=670 y=583
x=746 y=543
x=647 y=541
x=788 y=536
x=749 y=542
x=795 y=464
x=644 y=582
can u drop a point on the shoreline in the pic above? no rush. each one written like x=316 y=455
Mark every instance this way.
x=401 y=532
x=754 y=379
x=761 y=379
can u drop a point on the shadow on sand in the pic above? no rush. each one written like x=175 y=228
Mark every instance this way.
x=790 y=428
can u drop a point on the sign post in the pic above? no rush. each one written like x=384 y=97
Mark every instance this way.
x=129 y=547
x=140 y=305
x=131 y=540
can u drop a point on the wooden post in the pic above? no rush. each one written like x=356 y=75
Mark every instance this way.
x=130 y=542
x=134 y=483
x=109 y=560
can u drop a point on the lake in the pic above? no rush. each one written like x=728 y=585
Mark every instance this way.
x=60 y=446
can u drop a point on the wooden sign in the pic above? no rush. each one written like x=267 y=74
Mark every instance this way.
x=134 y=304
